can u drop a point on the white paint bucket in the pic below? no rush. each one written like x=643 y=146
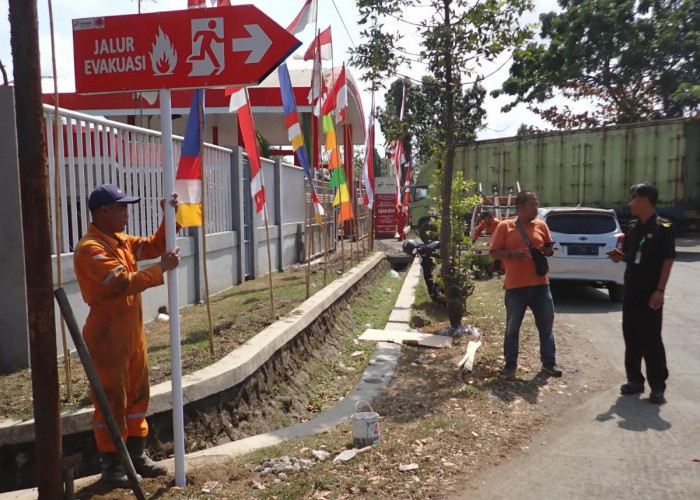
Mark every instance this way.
x=365 y=427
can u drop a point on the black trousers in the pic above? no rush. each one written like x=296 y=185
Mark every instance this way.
x=641 y=329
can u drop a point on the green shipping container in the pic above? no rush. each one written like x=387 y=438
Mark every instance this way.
x=595 y=167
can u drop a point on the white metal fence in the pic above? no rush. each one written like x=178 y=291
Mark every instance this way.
x=93 y=151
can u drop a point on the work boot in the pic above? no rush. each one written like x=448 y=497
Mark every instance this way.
x=142 y=463
x=113 y=471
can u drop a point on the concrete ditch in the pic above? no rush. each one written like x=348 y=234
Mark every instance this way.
x=223 y=400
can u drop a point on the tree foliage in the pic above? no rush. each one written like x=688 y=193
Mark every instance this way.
x=421 y=130
x=456 y=37
x=640 y=59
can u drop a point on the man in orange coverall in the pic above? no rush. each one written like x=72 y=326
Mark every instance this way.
x=488 y=223
x=111 y=284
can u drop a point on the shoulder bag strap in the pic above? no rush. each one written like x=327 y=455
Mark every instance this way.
x=522 y=232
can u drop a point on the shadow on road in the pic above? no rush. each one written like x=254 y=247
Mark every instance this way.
x=572 y=297
x=635 y=414
x=687 y=257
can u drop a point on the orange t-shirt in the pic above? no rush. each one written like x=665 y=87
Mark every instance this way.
x=520 y=273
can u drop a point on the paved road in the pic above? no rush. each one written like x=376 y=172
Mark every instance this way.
x=615 y=447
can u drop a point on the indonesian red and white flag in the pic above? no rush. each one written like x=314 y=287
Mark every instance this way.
x=241 y=105
x=316 y=84
x=399 y=157
x=368 y=167
x=307 y=15
x=337 y=98
x=323 y=43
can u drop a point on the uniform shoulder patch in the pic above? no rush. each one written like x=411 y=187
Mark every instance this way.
x=663 y=222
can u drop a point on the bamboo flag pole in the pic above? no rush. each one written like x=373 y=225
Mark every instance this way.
x=204 y=222
x=57 y=200
x=318 y=145
x=307 y=246
x=269 y=261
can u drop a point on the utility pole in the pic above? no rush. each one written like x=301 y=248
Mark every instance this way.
x=33 y=174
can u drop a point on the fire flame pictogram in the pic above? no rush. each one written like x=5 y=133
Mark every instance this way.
x=163 y=55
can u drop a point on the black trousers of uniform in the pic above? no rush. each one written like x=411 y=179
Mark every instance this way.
x=641 y=329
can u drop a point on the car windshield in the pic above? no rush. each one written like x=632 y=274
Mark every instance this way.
x=420 y=193
x=581 y=223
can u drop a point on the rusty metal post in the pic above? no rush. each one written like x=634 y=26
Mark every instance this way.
x=24 y=32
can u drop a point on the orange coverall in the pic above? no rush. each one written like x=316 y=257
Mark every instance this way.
x=485 y=226
x=111 y=285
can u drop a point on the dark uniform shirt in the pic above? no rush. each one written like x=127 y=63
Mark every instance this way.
x=646 y=246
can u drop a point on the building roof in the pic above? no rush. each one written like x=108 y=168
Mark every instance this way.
x=265 y=99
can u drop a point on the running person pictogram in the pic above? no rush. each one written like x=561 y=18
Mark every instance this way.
x=207 y=42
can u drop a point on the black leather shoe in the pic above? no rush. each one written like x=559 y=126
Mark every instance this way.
x=552 y=369
x=657 y=397
x=508 y=372
x=631 y=388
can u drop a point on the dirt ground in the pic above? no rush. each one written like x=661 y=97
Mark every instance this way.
x=440 y=428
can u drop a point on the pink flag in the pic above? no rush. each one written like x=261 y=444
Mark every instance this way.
x=240 y=104
x=306 y=16
x=322 y=42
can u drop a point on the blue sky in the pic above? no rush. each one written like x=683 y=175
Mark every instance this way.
x=498 y=124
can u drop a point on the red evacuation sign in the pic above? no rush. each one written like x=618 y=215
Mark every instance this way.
x=195 y=48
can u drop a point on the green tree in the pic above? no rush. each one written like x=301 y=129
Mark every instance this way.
x=421 y=130
x=456 y=37
x=639 y=59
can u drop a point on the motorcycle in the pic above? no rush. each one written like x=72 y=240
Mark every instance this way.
x=429 y=259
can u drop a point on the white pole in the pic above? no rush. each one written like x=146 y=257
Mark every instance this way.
x=173 y=305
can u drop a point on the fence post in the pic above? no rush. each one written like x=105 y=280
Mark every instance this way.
x=14 y=334
x=237 y=210
x=196 y=233
x=279 y=213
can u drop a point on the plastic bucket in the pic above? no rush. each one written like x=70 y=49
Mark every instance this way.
x=365 y=426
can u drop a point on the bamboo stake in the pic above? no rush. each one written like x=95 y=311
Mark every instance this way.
x=210 y=332
x=269 y=262
x=308 y=246
x=370 y=229
x=57 y=200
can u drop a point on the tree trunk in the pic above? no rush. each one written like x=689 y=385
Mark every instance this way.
x=455 y=308
x=24 y=29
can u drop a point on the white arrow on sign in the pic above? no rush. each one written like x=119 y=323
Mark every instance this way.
x=257 y=44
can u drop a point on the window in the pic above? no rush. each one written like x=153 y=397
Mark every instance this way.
x=581 y=223
x=420 y=193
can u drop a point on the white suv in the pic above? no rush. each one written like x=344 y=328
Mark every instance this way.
x=582 y=236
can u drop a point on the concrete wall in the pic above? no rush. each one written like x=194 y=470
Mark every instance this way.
x=14 y=341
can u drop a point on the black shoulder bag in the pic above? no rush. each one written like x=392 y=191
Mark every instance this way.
x=541 y=264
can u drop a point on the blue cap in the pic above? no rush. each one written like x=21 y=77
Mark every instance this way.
x=109 y=193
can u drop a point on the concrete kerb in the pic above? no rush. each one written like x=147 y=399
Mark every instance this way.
x=376 y=376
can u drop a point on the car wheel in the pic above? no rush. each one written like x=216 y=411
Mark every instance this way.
x=615 y=292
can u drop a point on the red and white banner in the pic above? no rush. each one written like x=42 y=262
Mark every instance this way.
x=307 y=15
x=323 y=43
x=368 y=167
x=337 y=98
x=241 y=104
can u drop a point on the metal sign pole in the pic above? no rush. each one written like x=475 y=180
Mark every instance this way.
x=173 y=303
